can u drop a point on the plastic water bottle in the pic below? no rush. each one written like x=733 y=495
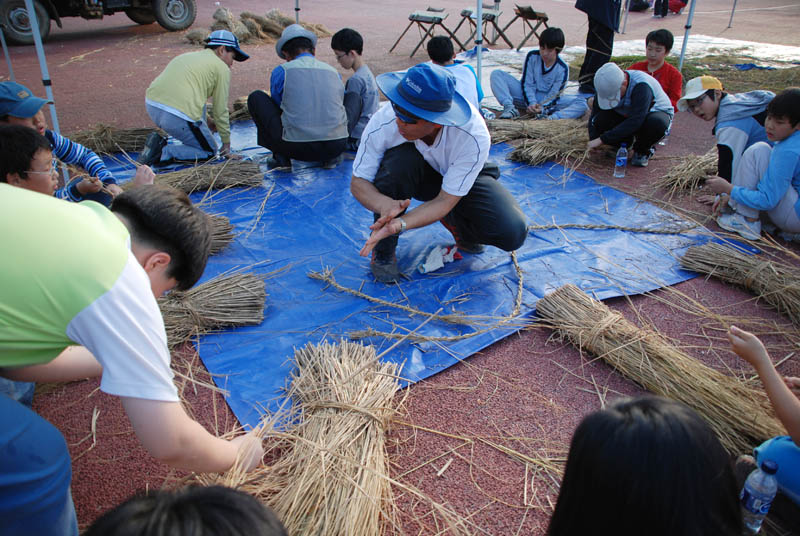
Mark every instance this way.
x=621 y=162
x=757 y=494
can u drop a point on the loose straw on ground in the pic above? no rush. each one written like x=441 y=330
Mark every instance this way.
x=776 y=283
x=741 y=416
x=108 y=140
x=688 y=175
x=241 y=173
x=331 y=474
x=225 y=301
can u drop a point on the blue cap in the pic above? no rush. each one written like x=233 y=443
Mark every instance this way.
x=226 y=38
x=427 y=91
x=17 y=101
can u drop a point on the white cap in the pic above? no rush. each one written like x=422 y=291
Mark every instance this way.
x=607 y=83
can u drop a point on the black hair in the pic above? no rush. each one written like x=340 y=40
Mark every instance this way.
x=293 y=47
x=552 y=37
x=164 y=218
x=660 y=37
x=215 y=47
x=193 y=511
x=18 y=146
x=346 y=40
x=650 y=466
x=440 y=49
x=786 y=104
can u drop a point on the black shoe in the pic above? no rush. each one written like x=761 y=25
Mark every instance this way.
x=332 y=163
x=461 y=244
x=278 y=161
x=153 y=146
x=384 y=268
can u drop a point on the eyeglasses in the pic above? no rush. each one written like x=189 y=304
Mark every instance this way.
x=52 y=171
x=695 y=104
x=405 y=116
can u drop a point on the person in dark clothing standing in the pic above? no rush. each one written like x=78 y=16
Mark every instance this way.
x=603 y=22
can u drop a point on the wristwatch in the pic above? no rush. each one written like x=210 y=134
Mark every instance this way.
x=403 y=225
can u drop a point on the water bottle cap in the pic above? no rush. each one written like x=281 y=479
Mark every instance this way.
x=769 y=467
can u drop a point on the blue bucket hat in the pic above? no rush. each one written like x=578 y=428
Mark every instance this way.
x=17 y=101
x=226 y=38
x=427 y=91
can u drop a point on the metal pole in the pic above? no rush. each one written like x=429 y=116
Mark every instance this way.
x=627 y=10
x=479 y=36
x=494 y=30
x=297 y=11
x=5 y=51
x=730 y=22
x=37 y=41
x=688 y=28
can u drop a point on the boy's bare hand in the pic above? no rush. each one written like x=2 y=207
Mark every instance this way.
x=793 y=384
x=251 y=450
x=90 y=185
x=748 y=347
x=113 y=189
x=144 y=175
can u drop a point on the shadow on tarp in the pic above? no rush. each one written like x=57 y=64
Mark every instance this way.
x=310 y=222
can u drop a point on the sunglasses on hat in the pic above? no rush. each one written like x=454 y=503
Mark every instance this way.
x=404 y=115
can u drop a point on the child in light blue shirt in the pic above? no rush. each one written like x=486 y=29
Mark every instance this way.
x=360 y=92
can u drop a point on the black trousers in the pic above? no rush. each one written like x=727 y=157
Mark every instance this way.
x=660 y=7
x=599 y=42
x=488 y=214
x=267 y=117
x=653 y=128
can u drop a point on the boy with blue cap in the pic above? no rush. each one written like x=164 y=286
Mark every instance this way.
x=430 y=144
x=176 y=102
x=303 y=118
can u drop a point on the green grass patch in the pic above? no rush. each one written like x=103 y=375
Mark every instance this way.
x=720 y=66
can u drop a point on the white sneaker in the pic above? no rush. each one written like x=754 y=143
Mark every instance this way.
x=736 y=223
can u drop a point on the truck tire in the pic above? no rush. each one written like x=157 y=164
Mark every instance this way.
x=17 y=25
x=141 y=15
x=175 y=15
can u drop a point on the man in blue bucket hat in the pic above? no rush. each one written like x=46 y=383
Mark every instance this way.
x=430 y=144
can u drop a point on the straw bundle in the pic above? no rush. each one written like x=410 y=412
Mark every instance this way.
x=107 y=139
x=689 y=174
x=225 y=301
x=252 y=28
x=319 y=29
x=270 y=28
x=741 y=416
x=331 y=475
x=514 y=129
x=777 y=283
x=564 y=143
x=209 y=176
x=240 y=111
x=221 y=232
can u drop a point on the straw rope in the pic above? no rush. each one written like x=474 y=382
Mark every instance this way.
x=740 y=415
x=598 y=227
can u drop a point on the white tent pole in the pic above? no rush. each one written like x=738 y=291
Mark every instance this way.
x=479 y=36
x=730 y=22
x=8 y=58
x=297 y=11
x=37 y=41
x=688 y=27
x=627 y=10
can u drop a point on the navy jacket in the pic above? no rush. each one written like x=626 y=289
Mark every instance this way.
x=605 y=12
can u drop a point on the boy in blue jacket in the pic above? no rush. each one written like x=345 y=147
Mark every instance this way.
x=766 y=179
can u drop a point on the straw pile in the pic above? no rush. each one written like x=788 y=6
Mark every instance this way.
x=688 y=175
x=514 y=129
x=776 y=283
x=243 y=173
x=741 y=416
x=221 y=232
x=240 y=111
x=331 y=474
x=252 y=28
x=561 y=140
x=227 y=300
x=108 y=140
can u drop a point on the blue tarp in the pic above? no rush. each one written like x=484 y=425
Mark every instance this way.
x=310 y=221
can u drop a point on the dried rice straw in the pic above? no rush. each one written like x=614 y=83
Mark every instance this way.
x=565 y=144
x=331 y=475
x=240 y=111
x=689 y=174
x=221 y=232
x=777 y=283
x=243 y=173
x=514 y=129
x=741 y=416
x=106 y=139
x=225 y=301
